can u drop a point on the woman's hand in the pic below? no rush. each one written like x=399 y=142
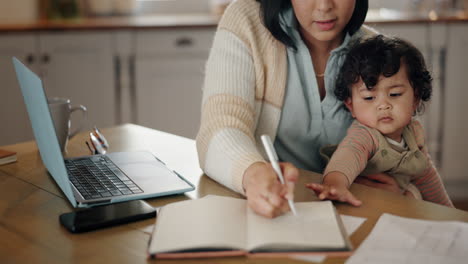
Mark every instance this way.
x=265 y=193
x=381 y=181
x=334 y=187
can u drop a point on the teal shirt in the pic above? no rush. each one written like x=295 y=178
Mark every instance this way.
x=306 y=122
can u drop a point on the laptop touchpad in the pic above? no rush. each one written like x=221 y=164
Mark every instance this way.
x=147 y=172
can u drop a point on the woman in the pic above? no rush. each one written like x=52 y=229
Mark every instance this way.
x=270 y=71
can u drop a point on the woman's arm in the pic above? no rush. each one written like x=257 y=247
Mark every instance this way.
x=225 y=142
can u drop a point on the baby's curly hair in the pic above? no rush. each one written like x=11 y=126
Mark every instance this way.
x=370 y=58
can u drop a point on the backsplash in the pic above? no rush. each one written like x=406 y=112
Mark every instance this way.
x=18 y=11
x=174 y=6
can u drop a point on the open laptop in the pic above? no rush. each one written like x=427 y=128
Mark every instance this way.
x=98 y=179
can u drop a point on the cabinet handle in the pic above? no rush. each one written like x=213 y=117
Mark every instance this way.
x=442 y=95
x=45 y=58
x=30 y=59
x=184 y=42
x=118 y=88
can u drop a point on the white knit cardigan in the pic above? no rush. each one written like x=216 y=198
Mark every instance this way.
x=243 y=94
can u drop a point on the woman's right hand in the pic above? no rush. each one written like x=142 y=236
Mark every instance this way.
x=265 y=193
x=381 y=181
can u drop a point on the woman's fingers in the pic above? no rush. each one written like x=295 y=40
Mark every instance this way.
x=265 y=193
x=291 y=175
x=262 y=206
x=269 y=205
x=290 y=172
x=289 y=191
x=274 y=196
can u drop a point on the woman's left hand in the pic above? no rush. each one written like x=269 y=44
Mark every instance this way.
x=381 y=181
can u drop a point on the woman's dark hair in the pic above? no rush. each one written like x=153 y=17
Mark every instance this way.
x=271 y=11
x=380 y=55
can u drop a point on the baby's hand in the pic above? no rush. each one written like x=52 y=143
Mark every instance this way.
x=332 y=192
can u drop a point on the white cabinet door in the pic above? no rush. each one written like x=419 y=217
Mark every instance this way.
x=169 y=94
x=455 y=130
x=415 y=33
x=169 y=70
x=433 y=120
x=14 y=120
x=80 y=66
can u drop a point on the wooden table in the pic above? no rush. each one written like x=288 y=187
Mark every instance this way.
x=31 y=202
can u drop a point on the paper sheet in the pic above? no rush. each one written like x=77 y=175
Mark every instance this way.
x=397 y=239
x=351 y=224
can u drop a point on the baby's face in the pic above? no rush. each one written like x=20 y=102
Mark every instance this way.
x=388 y=107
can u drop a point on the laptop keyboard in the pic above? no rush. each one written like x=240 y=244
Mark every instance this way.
x=98 y=177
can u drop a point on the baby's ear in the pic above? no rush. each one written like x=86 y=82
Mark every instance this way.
x=349 y=104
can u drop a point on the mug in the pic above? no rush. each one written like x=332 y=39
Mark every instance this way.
x=61 y=111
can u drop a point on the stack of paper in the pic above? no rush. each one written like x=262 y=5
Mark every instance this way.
x=397 y=239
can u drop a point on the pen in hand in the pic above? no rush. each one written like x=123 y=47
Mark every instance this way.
x=273 y=157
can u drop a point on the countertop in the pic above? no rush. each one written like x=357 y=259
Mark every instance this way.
x=116 y=23
x=381 y=16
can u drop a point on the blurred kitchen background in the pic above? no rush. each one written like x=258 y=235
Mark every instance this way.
x=142 y=62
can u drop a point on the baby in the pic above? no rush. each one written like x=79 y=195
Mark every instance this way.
x=383 y=83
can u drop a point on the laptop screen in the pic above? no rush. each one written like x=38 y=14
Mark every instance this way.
x=43 y=127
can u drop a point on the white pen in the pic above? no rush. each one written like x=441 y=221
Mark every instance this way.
x=273 y=157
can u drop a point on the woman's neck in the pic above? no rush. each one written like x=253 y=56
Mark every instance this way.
x=319 y=52
x=319 y=46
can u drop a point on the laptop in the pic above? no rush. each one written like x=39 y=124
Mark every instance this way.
x=98 y=179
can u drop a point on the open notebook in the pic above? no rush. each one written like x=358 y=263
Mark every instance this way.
x=223 y=226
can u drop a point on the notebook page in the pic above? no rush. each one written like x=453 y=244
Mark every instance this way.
x=397 y=239
x=211 y=222
x=315 y=227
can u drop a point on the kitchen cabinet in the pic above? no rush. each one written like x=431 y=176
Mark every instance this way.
x=76 y=65
x=149 y=77
x=14 y=120
x=80 y=66
x=169 y=67
x=124 y=56
x=455 y=128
